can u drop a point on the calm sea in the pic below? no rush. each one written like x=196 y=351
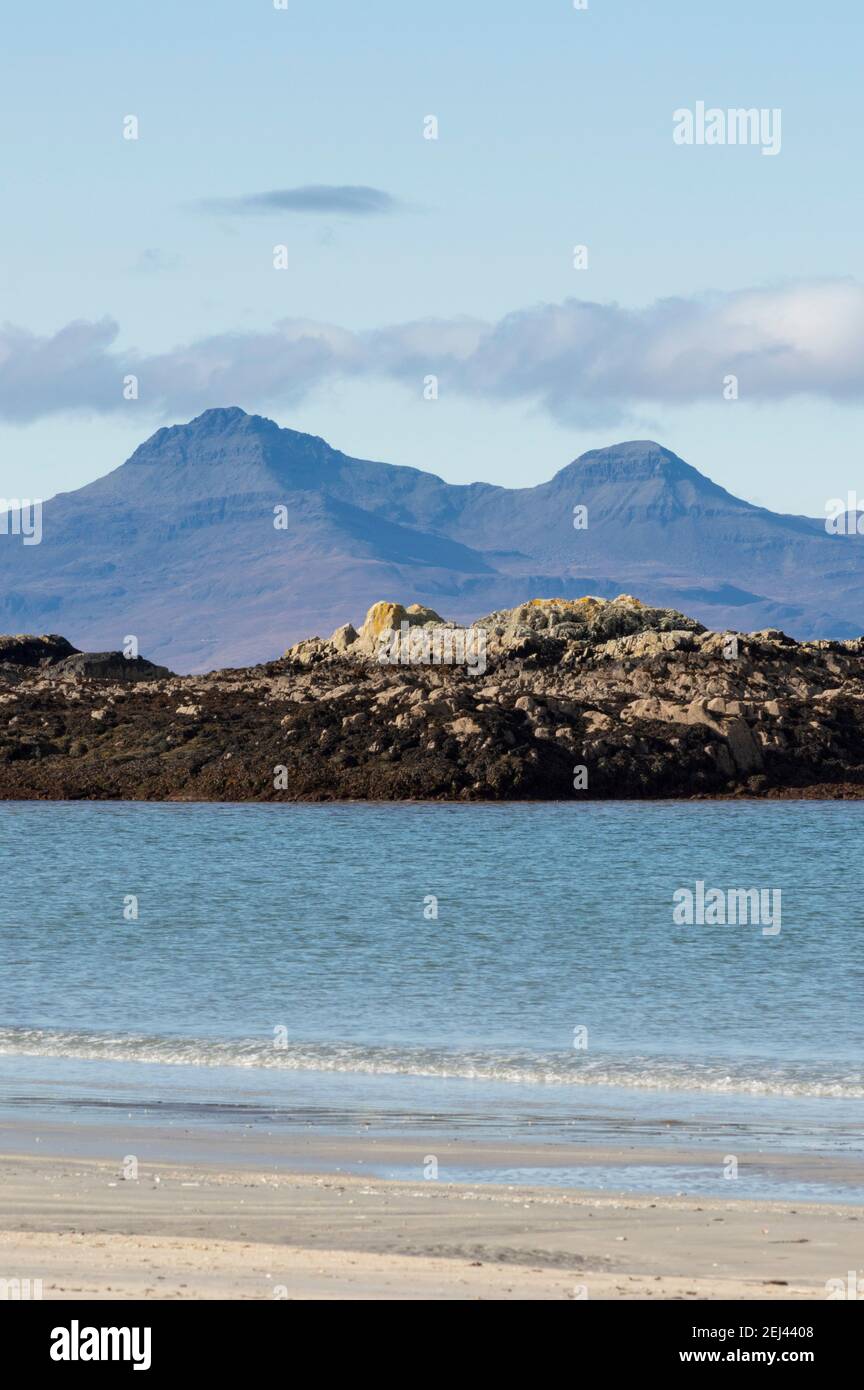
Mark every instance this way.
x=499 y=971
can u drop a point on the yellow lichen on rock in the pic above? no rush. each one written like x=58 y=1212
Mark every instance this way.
x=558 y=607
x=388 y=617
x=589 y=601
x=382 y=616
x=418 y=613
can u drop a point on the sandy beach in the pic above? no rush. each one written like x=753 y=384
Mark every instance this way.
x=208 y=1230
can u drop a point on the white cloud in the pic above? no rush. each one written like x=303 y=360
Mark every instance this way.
x=580 y=361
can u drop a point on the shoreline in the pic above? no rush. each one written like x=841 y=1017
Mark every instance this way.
x=264 y=1145
x=828 y=792
x=210 y=1231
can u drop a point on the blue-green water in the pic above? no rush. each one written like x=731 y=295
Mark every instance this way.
x=286 y=961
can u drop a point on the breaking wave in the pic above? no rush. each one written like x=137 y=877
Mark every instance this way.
x=509 y=1067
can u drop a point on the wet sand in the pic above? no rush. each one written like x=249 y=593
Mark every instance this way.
x=228 y=1229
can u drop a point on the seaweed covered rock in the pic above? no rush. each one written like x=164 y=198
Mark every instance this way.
x=581 y=699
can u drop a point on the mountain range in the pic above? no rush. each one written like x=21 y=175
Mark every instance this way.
x=222 y=541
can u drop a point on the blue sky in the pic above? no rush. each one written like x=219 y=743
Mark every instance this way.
x=555 y=128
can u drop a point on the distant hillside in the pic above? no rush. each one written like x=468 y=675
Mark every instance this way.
x=178 y=546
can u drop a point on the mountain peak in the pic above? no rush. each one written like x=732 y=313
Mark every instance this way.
x=207 y=436
x=633 y=460
x=225 y=419
x=219 y=415
x=642 y=451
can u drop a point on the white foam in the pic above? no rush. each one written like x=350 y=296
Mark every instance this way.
x=530 y=1069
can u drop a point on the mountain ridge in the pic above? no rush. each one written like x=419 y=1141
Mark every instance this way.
x=178 y=546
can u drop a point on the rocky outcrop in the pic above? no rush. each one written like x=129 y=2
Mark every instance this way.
x=573 y=699
x=383 y=619
x=27 y=650
x=111 y=666
x=24 y=651
x=389 y=617
x=543 y=628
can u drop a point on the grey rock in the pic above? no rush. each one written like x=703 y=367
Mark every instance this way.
x=111 y=666
x=25 y=649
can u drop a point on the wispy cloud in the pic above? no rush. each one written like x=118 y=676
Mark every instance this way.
x=152 y=261
x=578 y=360
x=357 y=200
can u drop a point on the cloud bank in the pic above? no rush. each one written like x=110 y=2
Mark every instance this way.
x=579 y=361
